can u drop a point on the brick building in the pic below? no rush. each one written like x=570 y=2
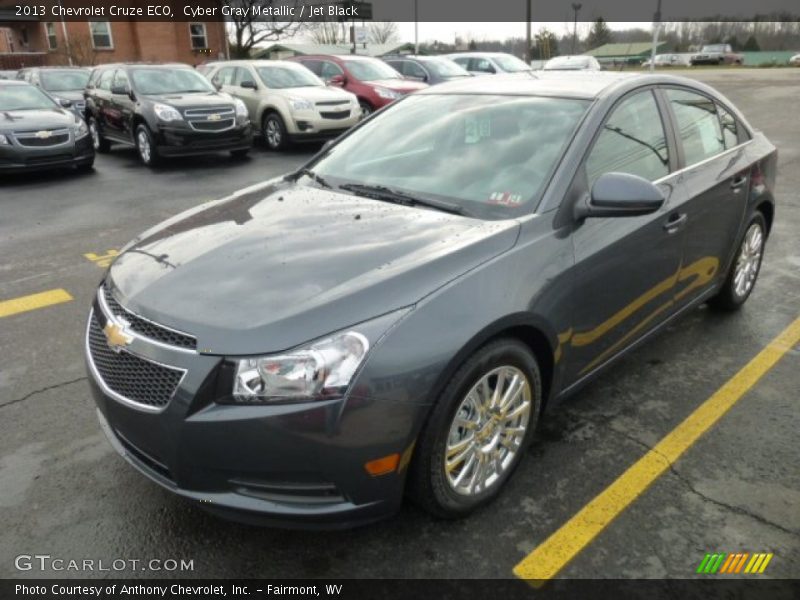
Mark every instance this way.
x=28 y=43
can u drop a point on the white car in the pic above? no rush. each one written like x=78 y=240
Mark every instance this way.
x=795 y=60
x=287 y=101
x=670 y=60
x=489 y=63
x=572 y=63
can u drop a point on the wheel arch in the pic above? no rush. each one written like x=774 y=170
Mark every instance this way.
x=767 y=209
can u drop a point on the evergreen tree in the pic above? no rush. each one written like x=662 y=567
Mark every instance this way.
x=599 y=35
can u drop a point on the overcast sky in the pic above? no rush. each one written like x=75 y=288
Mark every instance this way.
x=446 y=32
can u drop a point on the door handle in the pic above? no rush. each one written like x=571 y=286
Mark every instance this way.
x=675 y=222
x=738 y=182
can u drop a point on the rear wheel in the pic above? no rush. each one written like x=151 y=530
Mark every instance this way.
x=478 y=430
x=100 y=143
x=745 y=268
x=146 y=146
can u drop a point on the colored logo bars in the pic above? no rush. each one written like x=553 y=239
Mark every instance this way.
x=734 y=563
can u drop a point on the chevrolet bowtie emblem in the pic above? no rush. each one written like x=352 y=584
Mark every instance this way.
x=116 y=338
x=44 y=134
x=214 y=117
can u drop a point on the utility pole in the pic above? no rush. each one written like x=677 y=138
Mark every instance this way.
x=416 y=28
x=528 y=57
x=656 y=27
x=576 y=7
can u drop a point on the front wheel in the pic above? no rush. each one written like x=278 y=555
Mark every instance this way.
x=100 y=143
x=146 y=146
x=274 y=132
x=478 y=430
x=366 y=108
x=746 y=266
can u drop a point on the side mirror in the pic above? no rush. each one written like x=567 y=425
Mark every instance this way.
x=339 y=80
x=120 y=90
x=620 y=195
x=249 y=85
x=65 y=103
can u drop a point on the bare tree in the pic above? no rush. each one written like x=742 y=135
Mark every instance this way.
x=383 y=32
x=327 y=32
x=253 y=27
x=81 y=51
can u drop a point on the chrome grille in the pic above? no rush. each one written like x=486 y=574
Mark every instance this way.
x=128 y=377
x=211 y=119
x=37 y=139
x=147 y=328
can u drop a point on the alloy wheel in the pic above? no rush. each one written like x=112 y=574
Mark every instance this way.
x=749 y=260
x=273 y=133
x=95 y=134
x=488 y=430
x=143 y=142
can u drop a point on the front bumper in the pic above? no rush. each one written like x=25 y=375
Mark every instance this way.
x=291 y=465
x=15 y=158
x=311 y=125
x=182 y=140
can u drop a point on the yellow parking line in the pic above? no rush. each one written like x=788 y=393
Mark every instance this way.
x=551 y=556
x=32 y=302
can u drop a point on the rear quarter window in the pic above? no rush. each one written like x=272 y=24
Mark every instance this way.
x=698 y=123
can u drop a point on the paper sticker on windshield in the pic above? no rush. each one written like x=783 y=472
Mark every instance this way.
x=505 y=198
x=476 y=129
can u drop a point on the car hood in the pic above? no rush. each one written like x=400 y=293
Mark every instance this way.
x=273 y=267
x=192 y=100
x=319 y=94
x=50 y=118
x=71 y=95
x=399 y=85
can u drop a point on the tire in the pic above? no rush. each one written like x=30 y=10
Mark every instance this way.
x=240 y=154
x=273 y=130
x=101 y=144
x=366 y=108
x=745 y=268
x=145 y=146
x=456 y=494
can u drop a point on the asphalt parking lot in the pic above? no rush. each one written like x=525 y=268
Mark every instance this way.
x=64 y=492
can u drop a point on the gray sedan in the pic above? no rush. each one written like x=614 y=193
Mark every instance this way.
x=393 y=318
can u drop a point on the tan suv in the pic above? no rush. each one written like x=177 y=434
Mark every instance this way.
x=286 y=101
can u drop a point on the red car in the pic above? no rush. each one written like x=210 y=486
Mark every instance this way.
x=374 y=82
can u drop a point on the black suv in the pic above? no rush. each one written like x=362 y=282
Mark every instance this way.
x=163 y=110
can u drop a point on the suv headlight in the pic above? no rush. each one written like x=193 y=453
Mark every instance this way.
x=318 y=371
x=167 y=113
x=300 y=104
x=241 y=108
x=386 y=93
x=81 y=130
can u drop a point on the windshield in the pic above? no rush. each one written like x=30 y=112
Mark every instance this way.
x=23 y=97
x=510 y=64
x=169 y=81
x=445 y=68
x=487 y=154
x=714 y=48
x=288 y=77
x=64 y=81
x=371 y=70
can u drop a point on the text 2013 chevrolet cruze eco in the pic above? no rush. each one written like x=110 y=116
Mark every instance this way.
x=394 y=316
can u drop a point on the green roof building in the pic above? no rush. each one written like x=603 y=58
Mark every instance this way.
x=627 y=53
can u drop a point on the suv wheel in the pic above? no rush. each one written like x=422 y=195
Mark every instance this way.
x=477 y=431
x=366 y=108
x=145 y=146
x=274 y=132
x=100 y=143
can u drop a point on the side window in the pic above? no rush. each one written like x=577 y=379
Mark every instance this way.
x=329 y=69
x=105 y=79
x=481 y=65
x=412 y=69
x=462 y=61
x=397 y=65
x=225 y=76
x=314 y=66
x=121 y=79
x=242 y=75
x=632 y=141
x=730 y=128
x=698 y=125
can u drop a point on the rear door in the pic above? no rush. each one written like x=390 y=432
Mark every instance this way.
x=625 y=267
x=123 y=106
x=715 y=178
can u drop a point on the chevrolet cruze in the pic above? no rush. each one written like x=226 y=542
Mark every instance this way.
x=392 y=317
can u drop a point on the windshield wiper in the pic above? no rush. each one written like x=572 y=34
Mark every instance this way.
x=381 y=192
x=309 y=173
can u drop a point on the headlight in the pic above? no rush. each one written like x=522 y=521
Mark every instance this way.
x=4 y=140
x=321 y=370
x=300 y=104
x=386 y=93
x=81 y=130
x=166 y=113
x=241 y=108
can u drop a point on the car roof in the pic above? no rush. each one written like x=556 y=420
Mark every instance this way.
x=575 y=84
x=13 y=82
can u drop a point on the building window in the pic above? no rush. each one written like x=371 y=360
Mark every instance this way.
x=52 y=40
x=101 y=35
x=198 y=35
